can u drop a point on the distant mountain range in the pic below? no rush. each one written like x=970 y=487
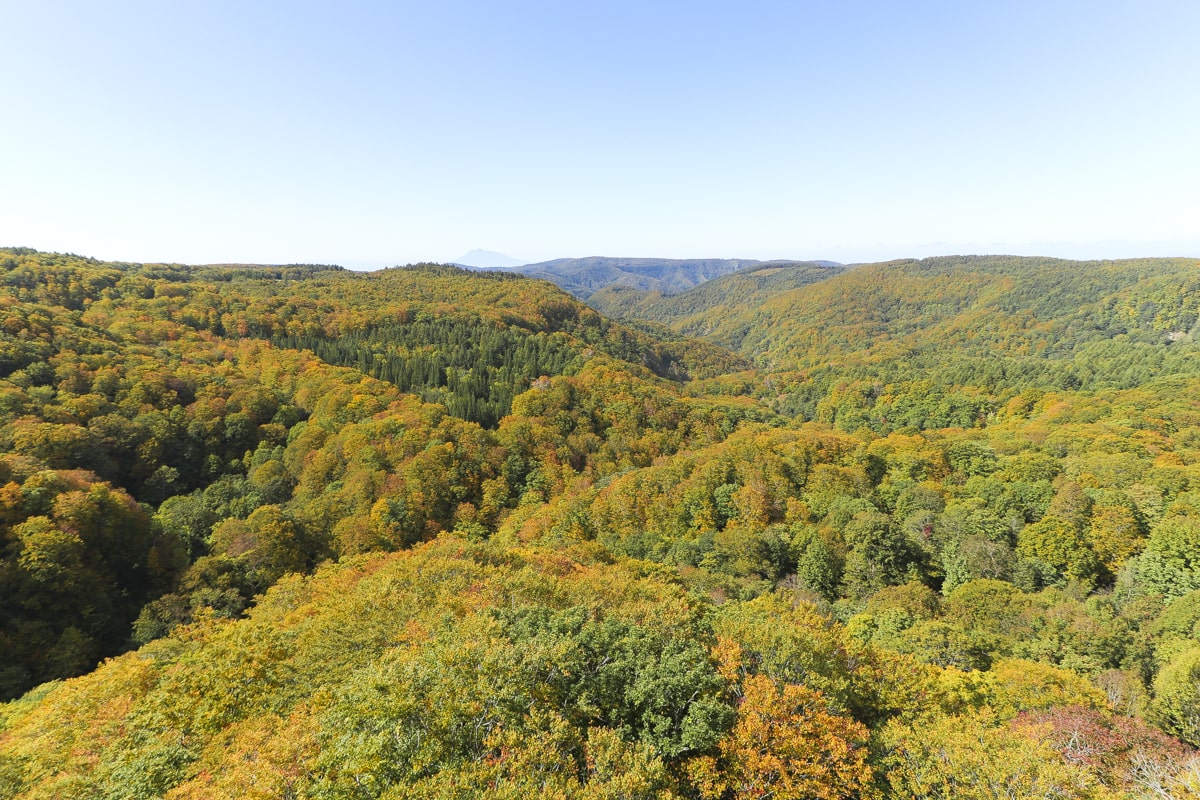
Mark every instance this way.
x=702 y=310
x=583 y=277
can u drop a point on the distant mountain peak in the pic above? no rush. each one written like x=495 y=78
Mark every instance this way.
x=584 y=276
x=487 y=259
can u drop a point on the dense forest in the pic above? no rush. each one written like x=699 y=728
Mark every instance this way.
x=924 y=529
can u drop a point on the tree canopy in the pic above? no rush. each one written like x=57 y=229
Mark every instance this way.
x=296 y=531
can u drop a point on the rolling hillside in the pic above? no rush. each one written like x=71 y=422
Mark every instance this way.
x=707 y=308
x=978 y=327
x=291 y=531
x=584 y=276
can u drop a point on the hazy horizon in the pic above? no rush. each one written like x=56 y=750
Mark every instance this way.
x=374 y=134
x=360 y=266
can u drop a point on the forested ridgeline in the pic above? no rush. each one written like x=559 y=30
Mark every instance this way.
x=608 y=581
x=707 y=309
x=884 y=345
x=142 y=405
x=583 y=277
x=417 y=323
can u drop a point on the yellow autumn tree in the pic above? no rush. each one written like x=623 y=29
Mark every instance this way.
x=787 y=744
x=977 y=757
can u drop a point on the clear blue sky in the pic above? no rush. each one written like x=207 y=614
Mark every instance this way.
x=370 y=134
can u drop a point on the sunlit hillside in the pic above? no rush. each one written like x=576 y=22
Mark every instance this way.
x=912 y=529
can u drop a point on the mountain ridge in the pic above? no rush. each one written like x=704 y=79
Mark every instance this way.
x=584 y=276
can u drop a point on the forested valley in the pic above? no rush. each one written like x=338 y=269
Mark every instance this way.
x=919 y=529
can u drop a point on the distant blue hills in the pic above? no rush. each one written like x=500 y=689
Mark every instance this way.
x=583 y=277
